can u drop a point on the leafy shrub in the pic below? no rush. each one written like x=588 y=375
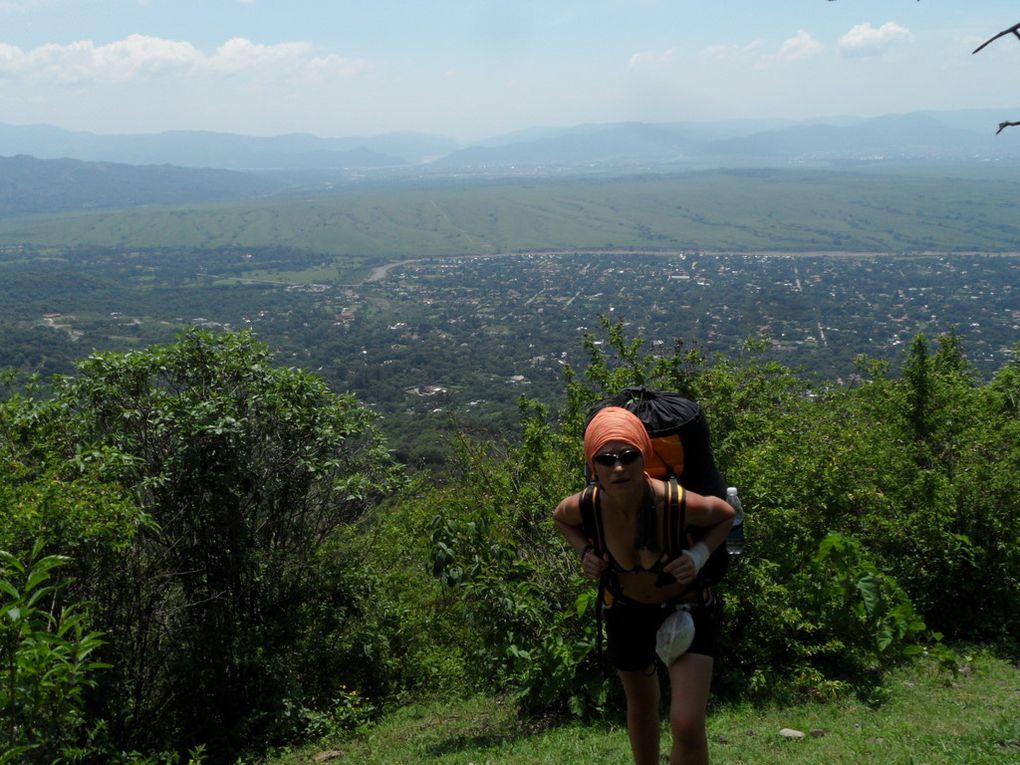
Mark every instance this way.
x=46 y=661
x=494 y=546
x=236 y=535
x=867 y=615
x=241 y=472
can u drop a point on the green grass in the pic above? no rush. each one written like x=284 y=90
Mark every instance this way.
x=928 y=717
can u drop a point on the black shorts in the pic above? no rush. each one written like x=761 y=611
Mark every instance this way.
x=631 y=628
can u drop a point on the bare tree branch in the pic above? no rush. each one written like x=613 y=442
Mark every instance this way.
x=1013 y=30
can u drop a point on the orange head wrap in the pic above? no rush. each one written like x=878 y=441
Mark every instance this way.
x=615 y=423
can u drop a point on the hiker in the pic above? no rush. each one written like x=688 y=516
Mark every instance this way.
x=644 y=586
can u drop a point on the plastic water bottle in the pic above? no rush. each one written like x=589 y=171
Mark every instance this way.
x=735 y=539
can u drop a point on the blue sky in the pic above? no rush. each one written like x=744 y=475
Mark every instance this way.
x=478 y=68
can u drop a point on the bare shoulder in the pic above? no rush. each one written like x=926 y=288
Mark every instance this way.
x=569 y=510
x=660 y=490
x=705 y=509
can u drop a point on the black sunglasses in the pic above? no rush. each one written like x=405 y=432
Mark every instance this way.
x=609 y=459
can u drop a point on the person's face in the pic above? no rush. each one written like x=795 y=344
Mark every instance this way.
x=618 y=463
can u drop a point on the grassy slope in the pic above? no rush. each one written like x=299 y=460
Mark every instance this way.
x=928 y=718
x=746 y=210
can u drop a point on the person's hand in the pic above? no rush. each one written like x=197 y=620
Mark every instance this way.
x=683 y=569
x=593 y=565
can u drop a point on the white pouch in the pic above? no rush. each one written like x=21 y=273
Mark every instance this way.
x=674 y=636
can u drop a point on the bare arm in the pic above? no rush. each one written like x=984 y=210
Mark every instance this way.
x=711 y=513
x=567 y=517
x=716 y=516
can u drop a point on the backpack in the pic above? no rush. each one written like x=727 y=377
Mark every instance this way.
x=682 y=450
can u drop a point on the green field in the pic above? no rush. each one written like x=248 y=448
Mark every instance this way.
x=722 y=210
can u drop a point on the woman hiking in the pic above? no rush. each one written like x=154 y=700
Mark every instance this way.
x=645 y=587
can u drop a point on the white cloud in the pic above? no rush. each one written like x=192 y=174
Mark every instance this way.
x=866 y=40
x=651 y=58
x=239 y=55
x=141 y=56
x=801 y=46
x=722 y=51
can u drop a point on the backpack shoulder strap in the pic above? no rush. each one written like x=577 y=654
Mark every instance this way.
x=681 y=538
x=676 y=518
x=591 y=524
x=591 y=518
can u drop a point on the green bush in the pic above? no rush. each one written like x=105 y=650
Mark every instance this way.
x=234 y=474
x=860 y=532
x=46 y=661
x=261 y=569
x=493 y=545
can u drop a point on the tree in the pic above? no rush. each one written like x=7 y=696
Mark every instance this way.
x=917 y=375
x=244 y=471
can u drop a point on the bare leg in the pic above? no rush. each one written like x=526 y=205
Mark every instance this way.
x=690 y=678
x=642 y=690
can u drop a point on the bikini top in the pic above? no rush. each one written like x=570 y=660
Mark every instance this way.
x=646 y=536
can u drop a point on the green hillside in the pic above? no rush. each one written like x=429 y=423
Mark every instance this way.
x=30 y=186
x=739 y=210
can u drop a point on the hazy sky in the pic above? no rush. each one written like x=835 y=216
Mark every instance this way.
x=476 y=68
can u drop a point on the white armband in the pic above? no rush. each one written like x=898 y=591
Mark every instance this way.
x=699 y=554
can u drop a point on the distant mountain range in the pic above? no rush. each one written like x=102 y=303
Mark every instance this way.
x=90 y=171
x=228 y=151
x=909 y=136
x=920 y=135
x=956 y=136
